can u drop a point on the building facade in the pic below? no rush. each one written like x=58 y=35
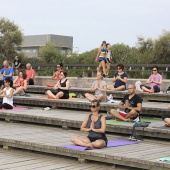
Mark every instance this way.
x=32 y=43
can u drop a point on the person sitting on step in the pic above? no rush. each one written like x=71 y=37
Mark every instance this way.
x=62 y=88
x=155 y=80
x=99 y=88
x=166 y=118
x=119 y=79
x=95 y=125
x=129 y=108
x=7 y=93
x=20 y=83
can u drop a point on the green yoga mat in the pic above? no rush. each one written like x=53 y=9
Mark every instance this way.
x=165 y=159
x=114 y=122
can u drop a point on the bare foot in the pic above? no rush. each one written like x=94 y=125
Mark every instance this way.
x=89 y=145
x=49 y=97
x=167 y=125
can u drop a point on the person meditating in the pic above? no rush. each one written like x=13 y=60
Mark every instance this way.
x=95 y=125
x=56 y=75
x=120 y=79
x=99 y=88
x=62 y=88
x=155 y=80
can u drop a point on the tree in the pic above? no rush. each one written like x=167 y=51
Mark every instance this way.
x=162 y=48
x=51 y=54
x=10 y=38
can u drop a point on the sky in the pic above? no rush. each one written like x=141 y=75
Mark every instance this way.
x=90 y=21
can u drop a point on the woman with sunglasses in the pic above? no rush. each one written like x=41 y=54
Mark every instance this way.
x=99 y=88
x=155 y=80
x=119 y=79
x=95 y=125
x=102 y=58
x=62 y=88
x=20 y=83
x=56 y=75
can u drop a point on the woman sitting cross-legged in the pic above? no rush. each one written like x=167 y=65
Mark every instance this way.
x=20 y=83
x=120 y=79
x=7 y=93
x=62 y=87
x=95 y=125
x=99 y=88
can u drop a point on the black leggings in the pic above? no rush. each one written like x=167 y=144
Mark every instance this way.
x=165 y=115
x=5 y=106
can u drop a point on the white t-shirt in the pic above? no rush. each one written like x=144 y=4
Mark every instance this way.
x=8 y=100
x=108 y=54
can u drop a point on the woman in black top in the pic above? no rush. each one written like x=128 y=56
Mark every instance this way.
x=62 y=88
x=95 y=124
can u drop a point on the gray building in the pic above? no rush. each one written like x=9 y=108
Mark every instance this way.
x=32 y=43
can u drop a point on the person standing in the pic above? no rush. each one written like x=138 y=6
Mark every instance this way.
x=108 y=59
x=16 y=65
x=102 y=51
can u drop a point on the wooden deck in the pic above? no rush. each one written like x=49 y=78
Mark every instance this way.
x=73 y=119
x=149 y=108
x=116 y=94
x=144 y=155
x=23 y=160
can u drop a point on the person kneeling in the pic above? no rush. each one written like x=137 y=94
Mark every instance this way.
x=130 y=106
x=62 y=87
x=95 y=125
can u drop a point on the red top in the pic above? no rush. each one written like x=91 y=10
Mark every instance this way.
x=19 y=82
x=30 y=73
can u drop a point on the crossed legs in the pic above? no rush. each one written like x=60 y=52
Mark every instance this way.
x=99 y=97
x=84 y=141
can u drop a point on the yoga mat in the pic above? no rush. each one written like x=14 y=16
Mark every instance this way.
x=165 y=159
x=114 y=122
x=16 y=108
x=161 y=127
x=111 y=143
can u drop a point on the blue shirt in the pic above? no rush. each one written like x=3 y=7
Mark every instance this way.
x=8 y=71
x=119 y=82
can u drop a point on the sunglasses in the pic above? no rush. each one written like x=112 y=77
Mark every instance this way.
x=154 y=70
x=92 y=106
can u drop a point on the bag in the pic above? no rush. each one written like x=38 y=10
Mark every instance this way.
x=168 y=90
x=134 y=137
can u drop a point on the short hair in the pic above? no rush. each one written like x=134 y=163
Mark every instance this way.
x=156 y=67
x=121 y=66
x=64 y=72
x=133 y=85
x=28 y=64
x=96 y=101
x=8 y=79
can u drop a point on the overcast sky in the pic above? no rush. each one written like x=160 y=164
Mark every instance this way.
x=90 y=21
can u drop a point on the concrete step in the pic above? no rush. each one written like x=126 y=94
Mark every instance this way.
x=149 y=108
x=73 y=119
x=144 y=155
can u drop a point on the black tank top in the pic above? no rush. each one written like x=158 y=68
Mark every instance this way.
x=63 y=85
x=97 y=125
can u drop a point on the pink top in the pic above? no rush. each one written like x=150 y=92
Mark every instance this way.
x=30 y=73
x=156 y=78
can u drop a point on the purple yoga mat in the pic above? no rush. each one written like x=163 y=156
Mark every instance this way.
x=111 y=143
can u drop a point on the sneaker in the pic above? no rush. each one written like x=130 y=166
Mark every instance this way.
x=47 y=108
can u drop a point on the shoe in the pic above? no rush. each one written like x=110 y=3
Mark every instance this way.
x=108 y=118
x=47 y=108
